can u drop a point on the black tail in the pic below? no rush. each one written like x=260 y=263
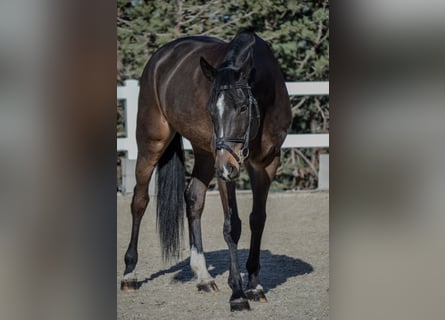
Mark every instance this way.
x=170 y=204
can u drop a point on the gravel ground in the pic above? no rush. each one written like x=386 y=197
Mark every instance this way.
x=294 y=261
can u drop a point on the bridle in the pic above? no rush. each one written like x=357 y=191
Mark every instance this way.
x=221 y=142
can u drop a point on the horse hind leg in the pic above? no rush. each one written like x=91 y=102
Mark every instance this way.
x=195 y=198
x=144 y=170
x=149 y=154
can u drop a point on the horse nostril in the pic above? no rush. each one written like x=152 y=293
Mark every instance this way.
x=227 y=172
x=233 y=173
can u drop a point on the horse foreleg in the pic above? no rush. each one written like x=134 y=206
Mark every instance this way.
x=195 y=198
x=232 y=233
x=261 y=179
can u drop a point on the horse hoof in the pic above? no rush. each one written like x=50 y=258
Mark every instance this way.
x=129 y=285
x=208 y=286
x=256 y=295
x=240 y=304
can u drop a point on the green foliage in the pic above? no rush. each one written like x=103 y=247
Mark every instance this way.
x=297 y=31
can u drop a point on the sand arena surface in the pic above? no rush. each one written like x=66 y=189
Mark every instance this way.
x=294 y=262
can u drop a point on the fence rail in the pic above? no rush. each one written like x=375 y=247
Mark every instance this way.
x=130 y=93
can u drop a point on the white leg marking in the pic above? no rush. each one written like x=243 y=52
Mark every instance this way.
x=198 y=265
x=131 y=276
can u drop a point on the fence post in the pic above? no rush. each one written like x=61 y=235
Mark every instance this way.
x=323 y=174
x=128 y=177
x=130 y=92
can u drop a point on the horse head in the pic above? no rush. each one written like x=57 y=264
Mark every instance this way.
x=233 y=110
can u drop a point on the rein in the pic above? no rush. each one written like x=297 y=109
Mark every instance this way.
x=221 y=142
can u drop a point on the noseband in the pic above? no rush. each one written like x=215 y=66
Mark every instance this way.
x=221 y=142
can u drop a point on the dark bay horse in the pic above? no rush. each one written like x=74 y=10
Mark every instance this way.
x=231 y=102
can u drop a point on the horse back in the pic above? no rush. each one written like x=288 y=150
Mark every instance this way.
x=173 y=83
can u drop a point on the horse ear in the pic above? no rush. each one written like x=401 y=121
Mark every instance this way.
x=207 y=69
x=247 y=71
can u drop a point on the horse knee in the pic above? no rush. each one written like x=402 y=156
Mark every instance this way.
x=257 y=220
x=194 y=197
x=232 y=229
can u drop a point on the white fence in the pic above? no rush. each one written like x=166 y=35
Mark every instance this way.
x=130 y=93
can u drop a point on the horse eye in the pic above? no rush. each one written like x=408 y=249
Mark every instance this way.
x=243 y=108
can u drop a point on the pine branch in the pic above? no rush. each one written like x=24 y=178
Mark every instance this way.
x=295 y=108
x=200 y=12
x=325 y=121
x=179 y=16
x=311 y=165
x=228 y=23
x=128 y=23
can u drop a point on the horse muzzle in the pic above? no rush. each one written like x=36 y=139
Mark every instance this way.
x=226 y=166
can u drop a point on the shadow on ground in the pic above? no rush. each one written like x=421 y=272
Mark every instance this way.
x=275 y=268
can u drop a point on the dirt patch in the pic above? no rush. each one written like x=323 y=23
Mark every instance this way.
x=294 y=262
